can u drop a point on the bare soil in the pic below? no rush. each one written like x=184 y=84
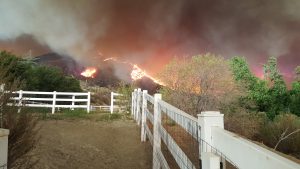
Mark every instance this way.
x=87 y=144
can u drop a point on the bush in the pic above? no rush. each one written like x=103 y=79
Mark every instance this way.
x=22 y=126
x=245 y=124
x=36 y=77
x=283 y=125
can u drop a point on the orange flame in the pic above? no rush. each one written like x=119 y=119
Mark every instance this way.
x=89 y=72
x=136 y=73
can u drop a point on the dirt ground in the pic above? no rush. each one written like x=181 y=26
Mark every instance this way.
x=89 y=144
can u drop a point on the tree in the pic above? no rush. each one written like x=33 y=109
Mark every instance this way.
x=257 y=90
x=279 y=99
x=199 y=83
x=269 y=95
x=295 y=93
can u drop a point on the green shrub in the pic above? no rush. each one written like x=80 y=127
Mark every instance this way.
x=36 y=77
x=22 y=126
x=282 y=126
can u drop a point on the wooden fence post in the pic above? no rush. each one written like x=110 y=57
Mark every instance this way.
x=3 y=148
x=111 y=102
x=144 y=107
x=53 y=102
x=207 y=120
x=156 y=133
x=88 y=102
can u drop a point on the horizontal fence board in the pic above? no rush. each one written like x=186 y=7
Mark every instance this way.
x=163 y=161
x=149 y=98
x=51 y=93
x=56 y=106
x=180 y=157
x=149 y=115
x=149 y=134
x=186 y=121
x=48 y=99
x=247 y=155
x=32 y=99
x=166 y=105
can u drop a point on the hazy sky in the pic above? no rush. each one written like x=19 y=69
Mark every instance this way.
x=150 y=32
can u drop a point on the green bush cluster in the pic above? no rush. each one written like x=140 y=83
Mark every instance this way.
x=269 y=94
x=36 y=77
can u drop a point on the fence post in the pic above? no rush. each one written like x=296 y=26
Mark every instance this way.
x=207 y=120
x=73 y=102
x=210 y=161
x=144 y=107
x=54 y=102
x=132 y=94
x=88 y=102
x=111 y=102
x=134 y=104
x=138 y=118
x=3 y=148
x=20 y=100
x=156 y=133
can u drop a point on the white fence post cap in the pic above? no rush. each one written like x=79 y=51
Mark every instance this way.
x=4 y=132
x=210 y=114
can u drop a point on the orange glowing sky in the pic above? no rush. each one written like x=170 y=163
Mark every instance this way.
x=150 y=32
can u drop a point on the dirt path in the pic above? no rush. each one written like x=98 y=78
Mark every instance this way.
x=88 y=144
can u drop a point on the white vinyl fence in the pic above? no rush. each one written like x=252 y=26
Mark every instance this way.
x=113 y=100
x=53 y=100
x=171 y=131
x=3 y=148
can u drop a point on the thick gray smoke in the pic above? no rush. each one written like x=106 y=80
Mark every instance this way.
x=67 y=27
x=141 y=31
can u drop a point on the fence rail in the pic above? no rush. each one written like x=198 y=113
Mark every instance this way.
x=216 y=147
x=52 y=100
x=113 y=100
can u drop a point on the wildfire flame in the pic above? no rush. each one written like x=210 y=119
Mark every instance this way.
x=89 y=72
x=136 y=73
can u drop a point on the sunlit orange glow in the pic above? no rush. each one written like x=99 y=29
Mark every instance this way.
x=137 y=72
x=89 y=72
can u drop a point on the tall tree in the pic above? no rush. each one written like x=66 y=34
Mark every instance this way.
x=295 y=93
x=200 y=83
x=257 y=90
x=277 y=89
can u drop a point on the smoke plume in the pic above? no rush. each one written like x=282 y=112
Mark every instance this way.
x=150 y=32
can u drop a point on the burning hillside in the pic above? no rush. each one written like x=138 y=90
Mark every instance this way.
x=89 y=72
x=102 y=76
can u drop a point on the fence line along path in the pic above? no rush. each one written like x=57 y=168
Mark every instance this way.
x=53 y=100
x=180 y=140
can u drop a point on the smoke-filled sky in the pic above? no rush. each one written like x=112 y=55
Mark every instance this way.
x=150 y=32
